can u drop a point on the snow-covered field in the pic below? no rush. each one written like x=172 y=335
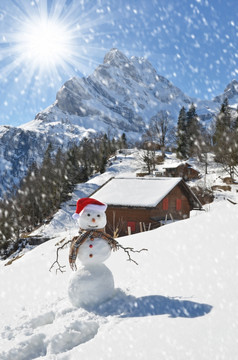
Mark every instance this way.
x=179 y=302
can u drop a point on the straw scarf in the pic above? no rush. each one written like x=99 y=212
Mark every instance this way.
x=77 y=241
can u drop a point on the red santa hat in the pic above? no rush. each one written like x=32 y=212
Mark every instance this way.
x=90 y=204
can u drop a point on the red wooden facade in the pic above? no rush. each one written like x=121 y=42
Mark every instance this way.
x=175 y=205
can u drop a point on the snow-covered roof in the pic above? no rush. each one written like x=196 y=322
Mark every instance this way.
x=174 y=165
x=140 y=192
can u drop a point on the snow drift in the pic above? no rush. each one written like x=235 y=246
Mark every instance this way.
x=180 y=302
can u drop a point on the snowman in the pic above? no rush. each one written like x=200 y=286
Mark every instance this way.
x=93 y=282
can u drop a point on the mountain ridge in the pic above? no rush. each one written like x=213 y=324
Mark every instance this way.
x=121 y=95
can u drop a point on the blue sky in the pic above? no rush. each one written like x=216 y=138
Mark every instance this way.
x=193 y=43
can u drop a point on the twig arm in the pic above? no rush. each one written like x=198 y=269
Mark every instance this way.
x=128 y=250
x=56 y=262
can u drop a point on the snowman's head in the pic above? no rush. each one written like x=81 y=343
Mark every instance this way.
x=90 y=214
x=90 y=219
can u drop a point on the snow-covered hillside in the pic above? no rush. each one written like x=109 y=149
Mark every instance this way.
x=179 y=303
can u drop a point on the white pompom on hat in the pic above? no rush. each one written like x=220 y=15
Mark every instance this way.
x=90 y=204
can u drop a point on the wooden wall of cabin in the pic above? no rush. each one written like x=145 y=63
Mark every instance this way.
x=121 y=216
x=184 y=171
x=175 y=206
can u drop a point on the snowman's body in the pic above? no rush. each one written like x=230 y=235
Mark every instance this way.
x=93 y=283
x=90 y=286
x=94 y=250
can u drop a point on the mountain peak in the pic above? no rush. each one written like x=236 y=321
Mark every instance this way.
x=230 y=92
x=232 y=86
x=115 y=58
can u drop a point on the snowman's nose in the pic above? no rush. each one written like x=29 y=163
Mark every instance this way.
x=93 y=220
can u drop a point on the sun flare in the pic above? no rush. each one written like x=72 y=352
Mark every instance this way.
x=45 y=42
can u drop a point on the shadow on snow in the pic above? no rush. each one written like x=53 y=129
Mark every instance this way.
x=129 y=306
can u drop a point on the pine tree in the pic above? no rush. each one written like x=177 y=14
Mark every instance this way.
x=46 y=184
x=223 y=126
x=59 y=175
x=193 y=132
x=234 y=124
x=6 y=224
x=225 y=140
x=123 y=142
x=181 y=134
x=86 y=158
x=28 y=199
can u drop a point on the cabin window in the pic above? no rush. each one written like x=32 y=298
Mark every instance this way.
x=132 y=225
x=166 y=204
x=178 y=204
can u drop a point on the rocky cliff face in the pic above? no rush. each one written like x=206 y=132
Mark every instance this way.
x=230 y=92
x=121 y=95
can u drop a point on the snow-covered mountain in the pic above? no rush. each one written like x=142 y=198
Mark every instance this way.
x=121 y=95
x=179 y=302
x=231 y=93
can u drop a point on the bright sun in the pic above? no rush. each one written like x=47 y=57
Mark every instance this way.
x=48 y=40
x=46 y=43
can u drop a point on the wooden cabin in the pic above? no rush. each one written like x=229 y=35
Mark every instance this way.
x=139 y=204
x=184 y=170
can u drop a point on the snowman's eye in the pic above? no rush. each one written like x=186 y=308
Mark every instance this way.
x=88 y=214
x=98 y=215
